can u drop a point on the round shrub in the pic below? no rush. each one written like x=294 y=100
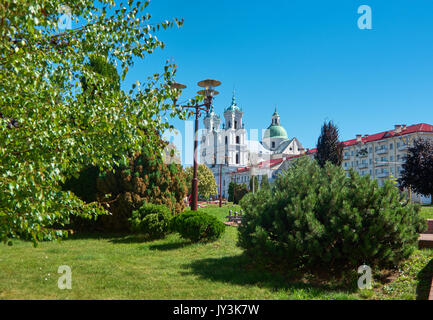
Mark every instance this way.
x=198 y=226
x=320 y=220
x=152 y=220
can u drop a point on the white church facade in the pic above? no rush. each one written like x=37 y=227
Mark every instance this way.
x=226 y=147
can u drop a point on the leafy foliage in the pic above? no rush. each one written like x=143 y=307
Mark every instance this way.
x=418 y=167
x=328 y=146
x=144 y=178
x=152 y=220
x=198 y=226
x=254 y=184
x=237 y=192
x=48 y=129
x=206 y=181
x=318 y=220
x=265 y=182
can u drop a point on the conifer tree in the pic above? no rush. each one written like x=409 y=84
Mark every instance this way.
x=265 y=182
x=328 y=146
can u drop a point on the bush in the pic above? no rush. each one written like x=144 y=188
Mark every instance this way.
x=198 y=226
x=144 y=179
x=152 y=220
x=319 y=220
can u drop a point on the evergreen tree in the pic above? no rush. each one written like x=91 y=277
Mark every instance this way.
x=231 y=191
x=254 y=184
x=328 y=146
x=418 y=168
x=265 y=182
x=237 y=192
x=317 y=219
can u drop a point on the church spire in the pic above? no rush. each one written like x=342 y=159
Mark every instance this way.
x=276 y=118
x=233 y=106
x=234 y=98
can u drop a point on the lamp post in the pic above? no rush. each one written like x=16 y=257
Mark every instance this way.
x=208 y=92
x=221 y=177
x=253 y=162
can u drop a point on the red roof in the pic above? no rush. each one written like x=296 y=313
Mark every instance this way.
x=263 y=164
x=421 y=127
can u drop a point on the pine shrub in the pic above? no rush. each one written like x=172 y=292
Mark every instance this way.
x=198 y=226
x=320 y=220
x=152 y=220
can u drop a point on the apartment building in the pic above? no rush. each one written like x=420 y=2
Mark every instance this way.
x=381 y=155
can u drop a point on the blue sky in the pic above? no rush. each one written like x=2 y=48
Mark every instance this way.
x=308 y=58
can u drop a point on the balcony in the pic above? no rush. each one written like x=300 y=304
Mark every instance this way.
x=363 y=165
x=403 y=147
x=346 y=157
x=383 y=175
x=381 y=163
x=382 y=151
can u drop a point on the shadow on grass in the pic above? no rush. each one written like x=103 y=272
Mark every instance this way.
x=169 y=246
x=97 y=235
x=424 y=281
x=111 y=237
x=130 y=238
x=238 y=271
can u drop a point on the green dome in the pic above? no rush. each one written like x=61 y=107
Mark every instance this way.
x=275 y=131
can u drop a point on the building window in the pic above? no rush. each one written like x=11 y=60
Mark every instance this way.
x=236 y=124
x=391 y=146
x=238 y=139
x=273 y=143
x=226 y=140
x=237 y=158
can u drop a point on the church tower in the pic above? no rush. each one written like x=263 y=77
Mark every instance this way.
x=234 y=135
x=212 y=120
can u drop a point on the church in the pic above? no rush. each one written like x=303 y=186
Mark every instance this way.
x=226 y=148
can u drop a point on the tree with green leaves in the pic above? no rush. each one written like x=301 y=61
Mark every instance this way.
x=265 y=182
x=417 y=171
x=328 y=146
x=254 y=184
x=237 y=192
x=206 y=181
x=48 y=129
x=319 y=220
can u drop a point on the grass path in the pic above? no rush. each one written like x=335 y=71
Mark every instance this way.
x=123 y=267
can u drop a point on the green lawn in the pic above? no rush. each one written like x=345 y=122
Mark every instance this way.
x=124 y=267
x=427 y=212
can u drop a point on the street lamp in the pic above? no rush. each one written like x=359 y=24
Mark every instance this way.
x=253 y=162
x=221 y=173
x=208 y=92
